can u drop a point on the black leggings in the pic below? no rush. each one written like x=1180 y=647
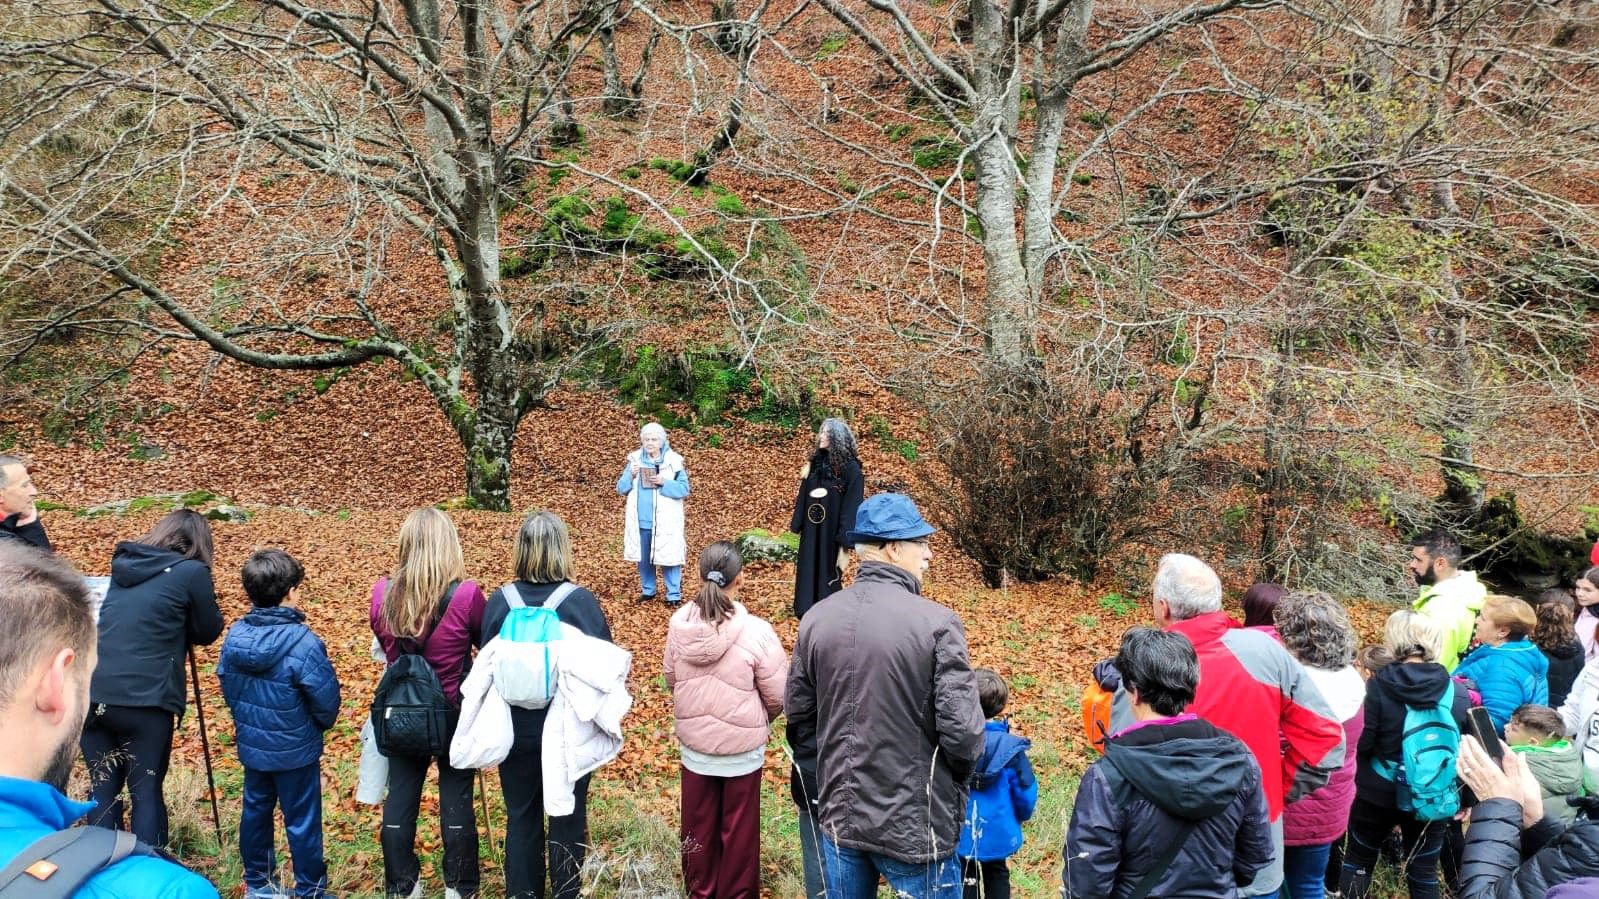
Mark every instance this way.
x=1369 y=826
x=401 y=867
x=128 y=746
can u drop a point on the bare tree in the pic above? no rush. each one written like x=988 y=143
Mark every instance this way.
x=362 y=153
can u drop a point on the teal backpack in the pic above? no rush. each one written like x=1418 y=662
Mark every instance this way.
x=524 y=672
x=1424 y=777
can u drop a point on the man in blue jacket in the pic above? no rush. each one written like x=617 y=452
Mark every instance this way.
x=283 y=694
x=47 y=654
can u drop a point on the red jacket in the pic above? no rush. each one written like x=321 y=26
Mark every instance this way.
x=1251 y=687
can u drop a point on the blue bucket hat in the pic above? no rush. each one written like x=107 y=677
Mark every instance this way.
x=887 y=517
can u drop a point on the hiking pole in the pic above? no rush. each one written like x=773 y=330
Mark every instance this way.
x=205 y=747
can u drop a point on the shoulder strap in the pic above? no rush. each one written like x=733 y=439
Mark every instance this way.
x=1162 y=864
x=513 y=596
x=560 y=595
x=57 y=864
x=433 y=625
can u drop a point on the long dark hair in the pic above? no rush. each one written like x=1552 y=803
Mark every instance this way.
x=185 y=532
x=720 y=564
x=841 y=450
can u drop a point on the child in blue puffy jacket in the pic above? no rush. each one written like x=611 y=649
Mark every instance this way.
x=283 y=694
x=1004 y=792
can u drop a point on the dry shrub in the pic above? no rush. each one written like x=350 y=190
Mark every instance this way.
x=1048 y=474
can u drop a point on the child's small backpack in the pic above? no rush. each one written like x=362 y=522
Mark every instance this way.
x=524 y=671
x=411 y=716
x=1424 y=777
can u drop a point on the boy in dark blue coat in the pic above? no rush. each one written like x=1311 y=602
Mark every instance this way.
x=283 y=694
x=1004 y=792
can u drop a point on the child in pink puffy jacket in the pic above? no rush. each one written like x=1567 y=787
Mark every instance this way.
x=726 y=670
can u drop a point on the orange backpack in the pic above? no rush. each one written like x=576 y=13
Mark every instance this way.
x=1096 y=714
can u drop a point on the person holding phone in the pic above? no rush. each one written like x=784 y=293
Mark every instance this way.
x=1514 y=850
x=1509 y=670
x=655 y=481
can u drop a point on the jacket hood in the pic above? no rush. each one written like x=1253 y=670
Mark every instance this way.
x=999 y=747
x=1416 y=684
x=1557 y=766
x=701 y=642
x=1189 y=769
x=1463 y=588
x=263 y=638
x=134 y=563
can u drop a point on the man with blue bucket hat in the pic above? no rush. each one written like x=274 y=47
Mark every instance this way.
x=881 y=676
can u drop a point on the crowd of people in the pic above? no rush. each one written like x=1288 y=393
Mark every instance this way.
x=1263 y=757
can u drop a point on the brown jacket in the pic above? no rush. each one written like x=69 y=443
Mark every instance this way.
x=882 y=676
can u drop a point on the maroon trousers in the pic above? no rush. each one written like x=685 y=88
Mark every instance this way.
x=722 y=836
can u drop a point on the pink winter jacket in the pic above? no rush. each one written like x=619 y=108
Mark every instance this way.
x=727 y=682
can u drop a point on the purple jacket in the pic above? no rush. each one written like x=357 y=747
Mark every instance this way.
x=449 y=647
x=1322 y=816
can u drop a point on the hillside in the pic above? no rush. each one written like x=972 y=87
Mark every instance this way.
x=833 y=262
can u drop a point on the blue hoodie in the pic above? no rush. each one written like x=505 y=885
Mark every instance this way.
x=30 y=810
x=1509 y=675
x=280 y=687
x=1004 y=792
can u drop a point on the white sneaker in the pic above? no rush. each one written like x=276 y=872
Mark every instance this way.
x=416 y=891
x=451 y=893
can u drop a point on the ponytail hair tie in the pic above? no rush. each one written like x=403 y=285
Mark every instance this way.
x=717 y=578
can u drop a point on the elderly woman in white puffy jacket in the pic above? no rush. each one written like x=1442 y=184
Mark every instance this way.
x=655 y=482
x=1580 y=712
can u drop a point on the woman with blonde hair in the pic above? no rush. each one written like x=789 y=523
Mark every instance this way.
x=428 y=607
x=1413 y=680
x=542 y=563
x=1510 y=671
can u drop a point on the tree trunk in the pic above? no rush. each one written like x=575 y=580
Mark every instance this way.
x=1463 y=488
x=488 y=456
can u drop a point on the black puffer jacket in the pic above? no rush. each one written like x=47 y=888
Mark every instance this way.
x=1565 y=663
x=159 y=605
x=1132 y=804
x=1389 y=693
x=882 y=677
x=1505 y=862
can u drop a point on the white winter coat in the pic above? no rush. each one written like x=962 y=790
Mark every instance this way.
x=584 y=727
x=484 y=735
x=1581 y=714
x=582 y=730
x=668 y=544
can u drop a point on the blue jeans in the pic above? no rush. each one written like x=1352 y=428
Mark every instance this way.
x=299 y=792
x=811 y=855
x=646 y=571
x=852 y=874
x=1305 y=871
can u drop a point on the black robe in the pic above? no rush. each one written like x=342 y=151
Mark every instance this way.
x=822 y=523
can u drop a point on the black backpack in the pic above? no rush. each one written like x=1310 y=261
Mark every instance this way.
x=57 y=864
x=411 y=716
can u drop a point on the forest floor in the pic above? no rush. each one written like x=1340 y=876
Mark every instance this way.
x=341 y=523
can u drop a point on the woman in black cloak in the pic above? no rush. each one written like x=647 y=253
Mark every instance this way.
x=824 y=511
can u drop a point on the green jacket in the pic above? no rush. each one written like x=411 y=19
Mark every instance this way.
x=1558 y=768
x=1453 y=606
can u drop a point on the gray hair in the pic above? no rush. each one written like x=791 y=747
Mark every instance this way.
x=1187 y=585
x=7 y=462
x=1412 y=635
x=1315 y=629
